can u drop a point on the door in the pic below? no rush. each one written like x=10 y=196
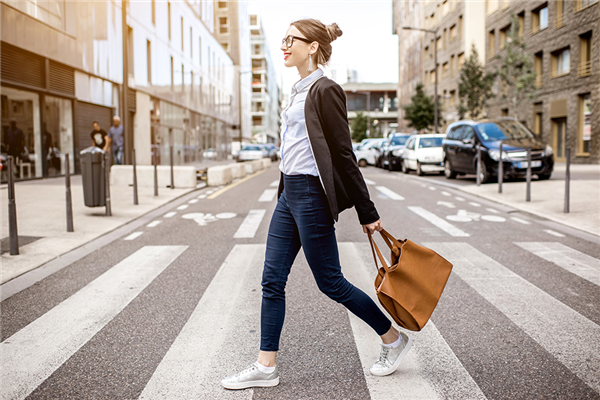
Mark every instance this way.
x=85 y=115
x=559 y=138
x=451 y=146
x=409 y=154
x=466 y=151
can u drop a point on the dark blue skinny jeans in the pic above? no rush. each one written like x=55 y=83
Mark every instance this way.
x=302 y=219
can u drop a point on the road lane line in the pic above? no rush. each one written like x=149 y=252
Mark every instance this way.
x=446 y=194
x=368 y=181
x=183 y=207
x=576 y=262
x=134 y=236
x=250 y=224
x=202 y=355
x=202 y=196
x=170 y=214
x=493 y=210
x=439 y=222
x=234 y=184
x=275 y=183
x=474 y=204
x=431 y=188
x=459 y=198
x=570 y=337
x=268 y=195
x=421 y=375
x=553 y=233
x=193 y=201
x=153 y=224
x=521 y=221
x=389 y=193
x=32 y=354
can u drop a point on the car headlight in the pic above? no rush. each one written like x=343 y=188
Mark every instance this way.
x=495 y=155
x=548 y=150
x=397 y=152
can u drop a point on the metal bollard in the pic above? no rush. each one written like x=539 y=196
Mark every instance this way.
x=107 y=162
x=68 y=194
x=528 y=193
x=567 y=181
x=478 y=164
x=12 y=210
x=500 y=171
x=172 y=173
x=135 y=185
x=155 y=156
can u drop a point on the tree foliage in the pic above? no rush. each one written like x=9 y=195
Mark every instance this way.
x=420 y=111
x=358 y=127
x=474 y=87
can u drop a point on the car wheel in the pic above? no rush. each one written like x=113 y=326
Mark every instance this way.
x=419 y=170
x=448 y=171
x=362 y=163
x=484 y=175
x=543 y=177
x=405 y=169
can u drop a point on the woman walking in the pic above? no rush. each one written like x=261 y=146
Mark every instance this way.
x=319 y=179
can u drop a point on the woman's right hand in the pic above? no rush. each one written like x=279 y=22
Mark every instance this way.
x=372 y=227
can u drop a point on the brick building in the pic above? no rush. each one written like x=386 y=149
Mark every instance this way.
x=562 y=37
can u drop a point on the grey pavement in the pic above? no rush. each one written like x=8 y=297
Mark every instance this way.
x=518 y=315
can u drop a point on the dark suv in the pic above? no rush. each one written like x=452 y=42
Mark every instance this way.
x=393 y=154
x=460 y=149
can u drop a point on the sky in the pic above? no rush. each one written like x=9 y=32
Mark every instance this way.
x=367 y=43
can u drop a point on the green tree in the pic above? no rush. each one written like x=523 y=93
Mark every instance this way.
x=358 y=127
x=516 y=73
x=474 y=87
x=420 y=111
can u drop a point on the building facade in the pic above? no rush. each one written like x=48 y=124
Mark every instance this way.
x=562 y=37
x=377 y=101
x=62 y=69
x=266 y=106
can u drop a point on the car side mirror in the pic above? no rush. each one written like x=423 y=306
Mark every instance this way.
x=467 y=141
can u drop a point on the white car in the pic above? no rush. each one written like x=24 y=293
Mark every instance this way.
x=423 y=153
x=367 y=153
x=251 y=152
x=209 y=154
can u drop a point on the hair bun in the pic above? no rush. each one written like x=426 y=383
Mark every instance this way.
x=334 y=31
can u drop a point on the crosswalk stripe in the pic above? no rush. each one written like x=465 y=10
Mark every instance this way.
x=268 y=195
x=417 y=377
x=368 y=181
x=553 y=233
x=154 y=224
x=250 y=225
x=134 y=236
x=202 y=354
x=567 y=335
x=170 y=214
x=567 y=258
x=275 y=183
x=389 y=193
x=520 y=220
x=437 y=221
x=32 y=354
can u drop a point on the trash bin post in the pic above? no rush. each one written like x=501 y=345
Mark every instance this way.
x=478 y=164
x=107 y=162
x=500 y=171
x=135 y=186
x=528 y=194
x=567 y=182
x=12 y=210
x=171 y=155
x=155 y=159
x=68 y=194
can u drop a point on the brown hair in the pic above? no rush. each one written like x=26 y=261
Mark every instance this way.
x=316 y=31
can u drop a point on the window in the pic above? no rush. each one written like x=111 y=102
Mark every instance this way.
x=153 y=12
x=172 y=73
x=491 y=44
x=560 y=62
x=559 y=13
x=432 y=77
x=130 y=50
x=182 y=78
x=503 y=34
x=539 y=19
x=439 y=44
x=585 y=55
x=581 y=4
x=445 y=36
x=445 y=69
x=585 y=125
x=222 y=5
x=504 y=112
x=452 y=65
x=438 y=14
x=505 y=4
x=181 y=33
x=226 y=46
x=149 y=60
x=223 y=25
x=257 y=121
x=52 y=12
x=491 y=5
x=200 y=51
x=254 y=20
x=453 y=33
x=460 y=27
x=191 y=41
x=426 y=52
x=445 y=8
x=521 y=18
x=169 y=18
x=461 y=60
x=537 y=64
x=453 y=98
x=537 y=119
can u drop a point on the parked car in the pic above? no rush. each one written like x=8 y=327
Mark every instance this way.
x=209 y=154
x=423 y=153
x=460 y=149
x=271 y=151
x=367 y=153
x=251 y=152
x=392 y=158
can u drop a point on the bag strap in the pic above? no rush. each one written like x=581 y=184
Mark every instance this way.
x=375 y=248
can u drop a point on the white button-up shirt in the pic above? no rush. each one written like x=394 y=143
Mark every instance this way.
x=296 y=154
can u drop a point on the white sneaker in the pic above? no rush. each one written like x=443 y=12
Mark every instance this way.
x=251 y=377
x=389 y=359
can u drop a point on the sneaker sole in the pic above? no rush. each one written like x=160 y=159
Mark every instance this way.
x=250 y=384
x=397 y=362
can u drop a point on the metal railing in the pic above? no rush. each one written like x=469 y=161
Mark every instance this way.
x=559 y=20
x=584 y=68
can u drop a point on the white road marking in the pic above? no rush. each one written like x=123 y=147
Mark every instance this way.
x=211 y=191
x=201 y=356
x=368 y=181
x=575 y=262
x=437 y=221
x=32 y=354
x=446 y=194
x=464 y=216
x=493 y=218
x=201 y=219
x=226 y=215
x=554 y=233
x=521 y=221
x=134 y=236
x=193 y=201
x=268 y=195
x=389 y=193
x=170 y=214
x=420 y=375
x=183 y=207
x=153 y=224
x=493 y=210
x=202 y=196
x=431 y=188
x=563 y=332
x=459 y=198
x=446 y=204
x=474 y=204
x=275 y=183
x=250 y=225
x=458 y=218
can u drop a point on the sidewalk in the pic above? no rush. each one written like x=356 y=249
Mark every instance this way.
x=547 y=197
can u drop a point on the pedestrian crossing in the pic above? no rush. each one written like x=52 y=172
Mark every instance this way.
x=221 y=335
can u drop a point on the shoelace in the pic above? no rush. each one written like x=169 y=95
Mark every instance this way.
x=383 y=354
x=247 y=370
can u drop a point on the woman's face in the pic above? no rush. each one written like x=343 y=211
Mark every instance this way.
x=297 y=55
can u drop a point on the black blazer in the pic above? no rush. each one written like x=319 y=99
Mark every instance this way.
x=329 y=136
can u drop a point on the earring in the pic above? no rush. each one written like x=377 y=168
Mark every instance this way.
x=309 y=63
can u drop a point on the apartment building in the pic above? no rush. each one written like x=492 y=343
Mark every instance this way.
x=378 y=101
x=562 y=37
x=266 y=105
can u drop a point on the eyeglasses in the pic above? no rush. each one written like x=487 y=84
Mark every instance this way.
x=289 y=41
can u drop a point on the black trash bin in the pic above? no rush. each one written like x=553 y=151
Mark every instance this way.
x=92 y=176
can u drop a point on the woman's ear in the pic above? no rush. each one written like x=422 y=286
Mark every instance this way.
x=314 y=46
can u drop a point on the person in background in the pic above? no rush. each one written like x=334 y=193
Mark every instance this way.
x=99 y=137
x=15 y=140
x=115 y=140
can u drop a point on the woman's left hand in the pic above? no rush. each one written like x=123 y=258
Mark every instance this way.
x=372 y=227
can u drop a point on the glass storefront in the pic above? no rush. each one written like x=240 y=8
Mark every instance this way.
x=58 y=136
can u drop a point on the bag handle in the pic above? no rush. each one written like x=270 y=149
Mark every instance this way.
x=375 y=248
x=394 y=244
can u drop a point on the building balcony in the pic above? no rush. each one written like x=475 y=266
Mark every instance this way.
x=538 y=81
x=584 y=69
x=559 y=20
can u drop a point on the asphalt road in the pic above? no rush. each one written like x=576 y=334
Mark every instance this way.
x=166 y=311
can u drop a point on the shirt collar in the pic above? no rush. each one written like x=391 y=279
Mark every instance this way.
x=310 y=79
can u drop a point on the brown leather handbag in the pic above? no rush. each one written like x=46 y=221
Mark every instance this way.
x=410 y=288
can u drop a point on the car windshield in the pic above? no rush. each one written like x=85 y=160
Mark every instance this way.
x=399 y=140
x=502 y=130
x=430 y=142
x=251 y=148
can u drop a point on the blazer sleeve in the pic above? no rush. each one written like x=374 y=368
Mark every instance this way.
x=334 y=120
